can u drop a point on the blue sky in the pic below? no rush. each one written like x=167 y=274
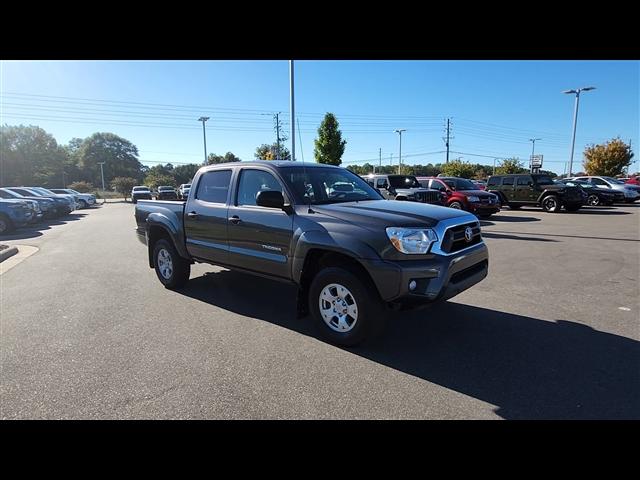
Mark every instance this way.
x=495 y=106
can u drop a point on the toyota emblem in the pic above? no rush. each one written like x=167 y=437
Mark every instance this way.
x=468 y=234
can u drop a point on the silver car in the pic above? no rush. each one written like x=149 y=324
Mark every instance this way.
x=83 y=200
x=630 y=194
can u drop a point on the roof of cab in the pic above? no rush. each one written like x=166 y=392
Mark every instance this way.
x=272 y=163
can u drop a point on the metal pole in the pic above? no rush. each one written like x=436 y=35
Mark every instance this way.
x=380 y=153
x=277 y=136
x=204 y=137
x=573 y=140
x=447 y=140
x=102 y=174
x=494 y=167
x=292 y=112
x=400 y=154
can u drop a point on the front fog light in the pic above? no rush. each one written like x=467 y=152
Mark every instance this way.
x=412 y=285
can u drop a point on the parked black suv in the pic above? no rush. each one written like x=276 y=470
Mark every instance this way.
x=405 y=187
x=524 y=189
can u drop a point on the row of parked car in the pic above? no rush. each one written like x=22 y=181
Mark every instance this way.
x=515 y=191
x=20 y=206
x=163 y=192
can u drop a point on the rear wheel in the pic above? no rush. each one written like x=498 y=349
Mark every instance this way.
x=550 y=203
x=345 y=308
x=593 y=200
x=6 y=226
x=172 y=270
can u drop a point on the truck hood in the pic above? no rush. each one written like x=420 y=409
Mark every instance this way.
x=379 y=214
x=412 y=190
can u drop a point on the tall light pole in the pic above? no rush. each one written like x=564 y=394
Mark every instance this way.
x=399 y=131
x=102 y=174
x=292 y=112
x=204 y=136
x=575 y=121
x=533 y=149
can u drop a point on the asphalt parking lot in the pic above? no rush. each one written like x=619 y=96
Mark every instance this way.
x=87 y=331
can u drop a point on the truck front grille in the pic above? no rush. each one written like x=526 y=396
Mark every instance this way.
x=454 y=238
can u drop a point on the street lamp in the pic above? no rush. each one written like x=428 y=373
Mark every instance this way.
x=533 y=150
x=204 y=136
x=575 y=120
x=399 y=131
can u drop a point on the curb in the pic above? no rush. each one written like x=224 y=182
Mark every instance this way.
x=7 y=252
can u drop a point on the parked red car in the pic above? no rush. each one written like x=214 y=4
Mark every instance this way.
x=463 y=194
x=633 y=181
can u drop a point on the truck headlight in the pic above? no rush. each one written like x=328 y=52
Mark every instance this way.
x=473 y=198
x=411 y=240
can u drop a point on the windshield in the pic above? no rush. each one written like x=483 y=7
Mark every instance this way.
x=140 y=189
x=544 y=180
x=44 y=191
x=404 y=181
x=165 y=188
x=462 y=184
x=613 y=180
x=320 y=186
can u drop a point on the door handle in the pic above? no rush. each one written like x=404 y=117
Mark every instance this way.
x=235 y=219
x=193 y=215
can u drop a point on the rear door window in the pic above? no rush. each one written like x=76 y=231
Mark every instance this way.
x=214 y=186
x=507 y=181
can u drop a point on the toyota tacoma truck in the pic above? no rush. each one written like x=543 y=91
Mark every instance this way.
x=353 y=254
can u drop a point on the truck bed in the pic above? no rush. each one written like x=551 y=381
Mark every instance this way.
x=173 y=210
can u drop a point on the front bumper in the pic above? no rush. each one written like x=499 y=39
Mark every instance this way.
x=438 y=277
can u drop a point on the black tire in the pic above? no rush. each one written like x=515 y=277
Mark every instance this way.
x=83 y=204
x=180 y=268
x=551 y=204
x=457 y=205
x=572 y=207
x=514 y=207
x=370 y=310
x=6 y=225
x=593 y=200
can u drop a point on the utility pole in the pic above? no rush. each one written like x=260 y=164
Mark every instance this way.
x=102 y=174
x=494 y=167
x=380 y=153
x=277 y=115
x=399 y=131
x=533 y=150
x=391 y=160
x=204 y=136
x=447 y=142
x=292 y=112
x=64 y=185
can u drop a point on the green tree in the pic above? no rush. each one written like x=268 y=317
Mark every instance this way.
x=155 y=179
x=185 y=173
x=82 y=187
x=511 y=165
x=329 y=146
x=120 y=157
x=124 y=185
x=226 y=158
x=608 y=159
x=268 y=152
x=458 y=168
x=30 y=156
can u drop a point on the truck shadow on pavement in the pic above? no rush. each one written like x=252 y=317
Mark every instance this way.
x=515 y=237
x=528 y=368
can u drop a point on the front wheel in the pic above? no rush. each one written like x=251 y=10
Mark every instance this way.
x=345 y=308
x=83 y=204
x=550 y=203
x=456 y=205
x=172 y=270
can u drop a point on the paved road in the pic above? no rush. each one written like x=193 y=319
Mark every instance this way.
x=87 y=331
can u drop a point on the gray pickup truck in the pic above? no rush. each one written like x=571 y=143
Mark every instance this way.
x=352 y=254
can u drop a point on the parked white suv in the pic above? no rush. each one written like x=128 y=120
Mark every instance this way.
x=183 y=191
x=630 y=194
x=83 y=200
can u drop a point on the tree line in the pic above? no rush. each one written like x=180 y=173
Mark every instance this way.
x=31 y=156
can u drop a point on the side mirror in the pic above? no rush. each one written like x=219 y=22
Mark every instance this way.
x=449 y=193
x=530 y=183
x=270 y=199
